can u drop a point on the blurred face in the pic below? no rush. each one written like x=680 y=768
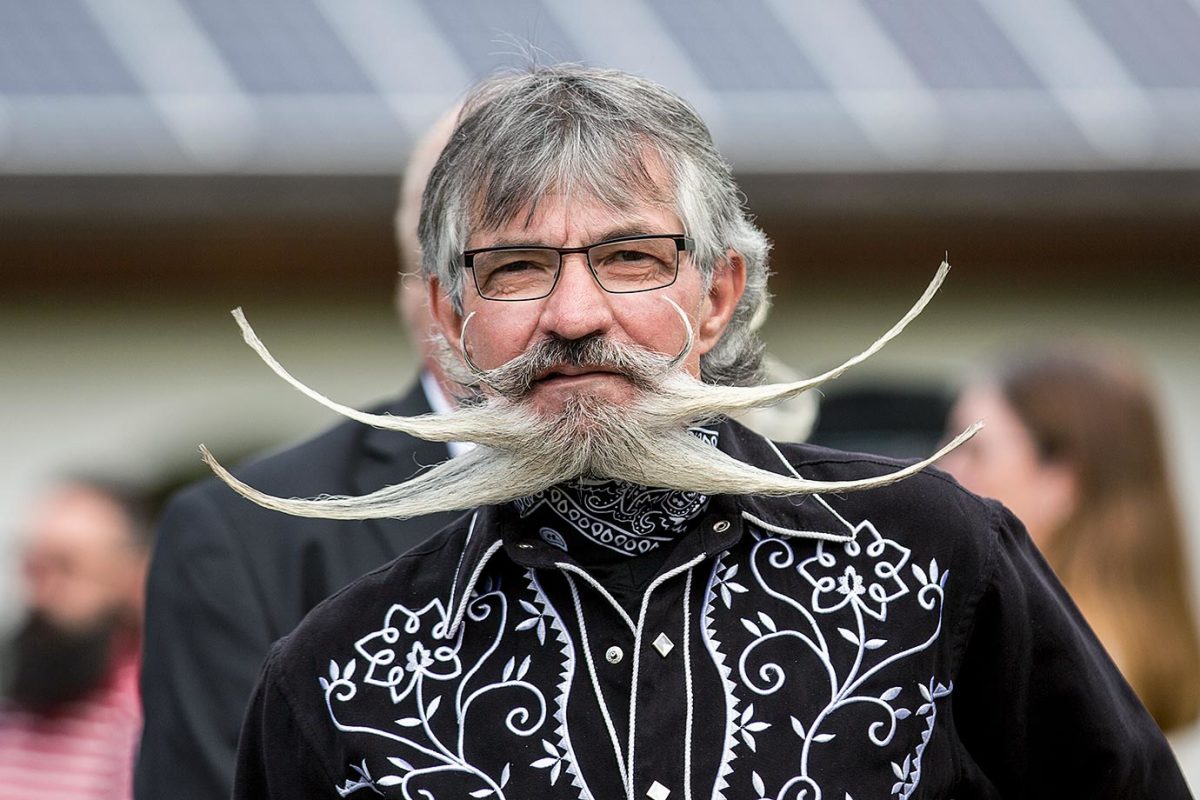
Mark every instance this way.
x=1002 y=462
x=80 y=565
x=578 y=307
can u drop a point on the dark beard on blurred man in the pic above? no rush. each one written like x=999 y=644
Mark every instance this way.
x=51 y=666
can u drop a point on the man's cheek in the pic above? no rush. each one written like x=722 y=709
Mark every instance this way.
x=495 y=342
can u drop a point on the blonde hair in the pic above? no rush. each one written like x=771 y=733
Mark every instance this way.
x=1121 y=551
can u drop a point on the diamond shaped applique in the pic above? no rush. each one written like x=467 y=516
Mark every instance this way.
x=663 y=645
x=657 y=791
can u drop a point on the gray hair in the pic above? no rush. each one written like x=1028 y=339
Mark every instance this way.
x=578 y=130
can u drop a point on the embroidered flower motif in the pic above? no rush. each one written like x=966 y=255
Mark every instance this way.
x=726 y=586
x=861 y=580
x=863 y=574
x=553 y=761
x=850 y=583
x=746 y=727
x=537 y=621
x=418 y=659
x=363 y=781
x=406 y=648
x=436 y=722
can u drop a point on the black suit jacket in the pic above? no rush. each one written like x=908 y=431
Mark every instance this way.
x=228 y=578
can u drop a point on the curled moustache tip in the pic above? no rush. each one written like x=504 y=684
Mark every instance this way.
x=244 y=489
x=954 y=443
x=248 y=333
x=687 y=328
x=462 y=346
x=211 y=461
x=207 y=457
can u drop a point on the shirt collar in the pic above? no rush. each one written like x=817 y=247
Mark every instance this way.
x=441 y=405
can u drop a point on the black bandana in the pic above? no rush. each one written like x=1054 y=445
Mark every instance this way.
x=622 y=518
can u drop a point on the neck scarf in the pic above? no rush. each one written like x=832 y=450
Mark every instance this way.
x=620 y=518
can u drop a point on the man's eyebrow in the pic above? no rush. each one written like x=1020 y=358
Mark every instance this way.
x=626 y=231
x=619 y=232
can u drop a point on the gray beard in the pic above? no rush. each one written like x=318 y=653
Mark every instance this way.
x=520 y=452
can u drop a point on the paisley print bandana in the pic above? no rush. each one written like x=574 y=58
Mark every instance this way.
x=621 y=517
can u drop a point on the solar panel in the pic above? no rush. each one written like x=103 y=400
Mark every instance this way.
x=1158 y=41
x=55 y=47
x=737 y=47
x=953 y=44
x=488 y=35
x=279 y=47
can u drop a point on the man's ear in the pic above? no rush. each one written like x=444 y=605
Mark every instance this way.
x=728 y=283
x=445 y=317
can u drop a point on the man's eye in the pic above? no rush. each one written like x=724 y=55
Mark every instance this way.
x=630 y=258
x=516 y=266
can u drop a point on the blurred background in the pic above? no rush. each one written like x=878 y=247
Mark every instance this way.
x=163 y=162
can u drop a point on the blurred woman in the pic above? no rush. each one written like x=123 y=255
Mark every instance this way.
x=1073 y=446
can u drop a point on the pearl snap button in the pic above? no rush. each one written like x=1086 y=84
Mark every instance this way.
x=720 y=526
x=658 y=792
x=614 y=655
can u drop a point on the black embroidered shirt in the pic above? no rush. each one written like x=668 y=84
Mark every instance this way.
x=905 y=642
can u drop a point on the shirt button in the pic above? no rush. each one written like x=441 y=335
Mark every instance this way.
x=614 y=654
x=720 y=526
x=524 y=546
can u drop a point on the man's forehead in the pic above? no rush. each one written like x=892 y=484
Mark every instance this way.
x=562 y=221
x=632 y=193
x=77 y=517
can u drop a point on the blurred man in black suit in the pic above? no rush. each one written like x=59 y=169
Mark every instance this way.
x=229 y=578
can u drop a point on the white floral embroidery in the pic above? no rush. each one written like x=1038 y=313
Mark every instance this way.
x=537 y=621
x=399 y=668
x=725 y=585
x=908 y=773
x=746 y=727
x=403 y=656
x=844 y=625
x=867 y=576
x=552 y=762
x=807 y=630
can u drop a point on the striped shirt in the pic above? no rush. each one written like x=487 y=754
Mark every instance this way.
x=83 y=752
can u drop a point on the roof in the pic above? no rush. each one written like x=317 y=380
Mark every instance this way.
x=344 y=86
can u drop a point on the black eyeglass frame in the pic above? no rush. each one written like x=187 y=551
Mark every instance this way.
x=683 y=243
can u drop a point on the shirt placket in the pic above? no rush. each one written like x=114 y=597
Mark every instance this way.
x=645 y=668
x=662 y=697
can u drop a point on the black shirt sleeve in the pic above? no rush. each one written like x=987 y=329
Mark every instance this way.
x=275 y=759
x=1040 y=708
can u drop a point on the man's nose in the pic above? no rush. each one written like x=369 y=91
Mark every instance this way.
x=577 y=307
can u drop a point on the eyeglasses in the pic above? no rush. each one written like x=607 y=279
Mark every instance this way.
x=621 y=266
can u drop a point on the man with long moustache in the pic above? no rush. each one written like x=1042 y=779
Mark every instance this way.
x=644 y=600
